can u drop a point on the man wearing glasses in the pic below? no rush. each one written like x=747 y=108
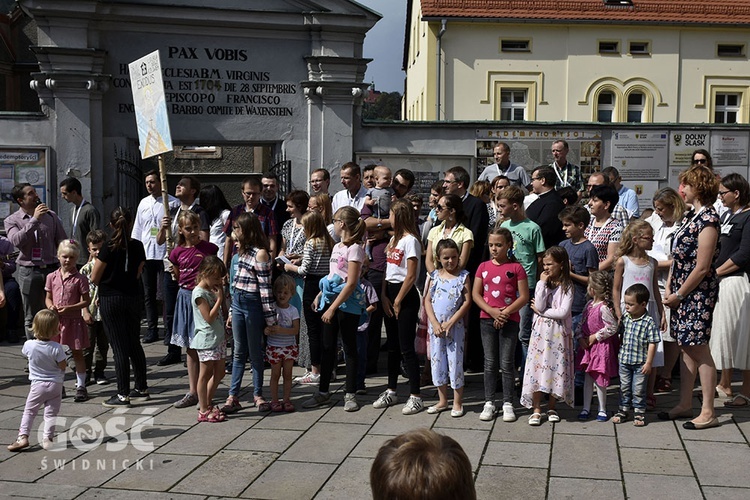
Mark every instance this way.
x=320 y=180
x=251 y=191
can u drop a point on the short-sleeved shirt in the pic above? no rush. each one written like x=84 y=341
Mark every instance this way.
x=734 y=241
x=120 y=277
x=44 y=357
x=500 y=285
x=284 y=318
x=67 y=291
x=188 y=259
x=516 y=174
x=377 y=247
x=527 y=244
x=341 y=255
x=398 y=255
x=637 y=335
x=93 y=291
x=629 y=201
x=583 y=256
x=371 y=296
x=601 y=237
x=460 y=234
x=207 y=335
x=265 y=216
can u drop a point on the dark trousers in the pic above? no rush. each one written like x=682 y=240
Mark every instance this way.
x=345 y=324
x=150 y=279
x=169 y=292
x=31 y=281
x=10 y=314
x=121 y=318
x=312 y=318
x=400 y=333
x=96 y=354
x=375 y=328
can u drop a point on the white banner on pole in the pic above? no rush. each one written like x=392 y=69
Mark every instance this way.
x=150 y=105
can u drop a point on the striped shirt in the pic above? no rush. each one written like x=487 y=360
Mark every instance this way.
x=255 y=277
x=315 y=257
x=637 y=335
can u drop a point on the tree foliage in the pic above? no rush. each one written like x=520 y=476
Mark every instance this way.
x=386 y=106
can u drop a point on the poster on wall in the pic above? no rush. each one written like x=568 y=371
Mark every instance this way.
x=682 y=143
x=640 y=155
x=533 y=147
x=729 y=148
x=644 y=190
x=19 y=165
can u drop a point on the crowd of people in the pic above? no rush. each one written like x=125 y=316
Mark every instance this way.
x=547 y=280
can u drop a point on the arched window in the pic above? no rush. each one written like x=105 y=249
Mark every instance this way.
x=605 y=107
x=636 y=106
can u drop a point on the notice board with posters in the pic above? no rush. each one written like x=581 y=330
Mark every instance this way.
x=19 y=165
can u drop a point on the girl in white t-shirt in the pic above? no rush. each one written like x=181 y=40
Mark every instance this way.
x=343 y=313
x=401 y=306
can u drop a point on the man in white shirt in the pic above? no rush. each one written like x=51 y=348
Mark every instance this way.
x=353 y=194
x=146 y=226
x=516 y=174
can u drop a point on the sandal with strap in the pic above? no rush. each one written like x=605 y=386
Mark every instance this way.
x=535 y=419
x=212 y=415
x=620 y=417
x=219 y=415
x=276 y=406
x=639 y=420
x=737 y=401
x=262 y=404
x=289 y=407
x=663 y=385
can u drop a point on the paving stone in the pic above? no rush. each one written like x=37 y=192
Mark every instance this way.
x=9 y=401
x=493 y=483
x=113 y=494
x=159 y=473
x=472 y=441
x=194 y=442
x=351 y=478
x=655 y=461
x=393 y=422
x=370 y=445
x=326 y=443
x=222 y=469
x=719 y=493
x=284 y=480
x=12 y=489
x=34 y=463
x=470 y=420
x=727 y=432
x=265 y=440
x=514 y=454
x=656 y=434
x=650 y=485
x=589 y=428
x=569 y=488
x=599 y=453
x=520 y=431
x=719 y=464
x=297 y=421
x=365 y=415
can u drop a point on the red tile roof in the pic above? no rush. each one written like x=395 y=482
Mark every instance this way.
x=705 y=12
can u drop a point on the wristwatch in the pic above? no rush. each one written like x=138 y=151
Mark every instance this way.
x=380 y=223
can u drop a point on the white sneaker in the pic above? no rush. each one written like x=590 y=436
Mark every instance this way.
x=413 y=405
x=350 y=402
x=488 y=412
x=508 y=414
x=385 y=400
x=308 y=378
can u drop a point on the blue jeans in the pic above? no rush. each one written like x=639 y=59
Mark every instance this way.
x=247 y=329
x=632 y=388
x=499 y=348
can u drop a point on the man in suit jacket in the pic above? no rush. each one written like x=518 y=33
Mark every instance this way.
x=547 y=207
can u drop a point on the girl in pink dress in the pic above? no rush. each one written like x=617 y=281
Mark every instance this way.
x=68 y=293
x=598 y=344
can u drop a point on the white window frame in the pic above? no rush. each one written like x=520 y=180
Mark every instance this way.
x=610 y=107
x=725 y=109
x=512 y=106
x=636 y=108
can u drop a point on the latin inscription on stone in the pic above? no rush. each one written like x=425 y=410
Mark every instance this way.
x=214 y=89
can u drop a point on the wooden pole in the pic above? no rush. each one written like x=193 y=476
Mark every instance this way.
x=165 y=199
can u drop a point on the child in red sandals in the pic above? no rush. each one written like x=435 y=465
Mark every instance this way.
x=210 y=338
x=281 y=346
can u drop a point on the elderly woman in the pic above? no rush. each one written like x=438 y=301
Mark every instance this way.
x=668 y=211
x=728 y=349
x=691 y=293
x=604 y=231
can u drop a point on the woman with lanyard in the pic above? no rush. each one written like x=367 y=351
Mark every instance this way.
x=603 y=230
x=668 y=211
x=728 y=342
x=450 y=213
x=292 y=245
x=691 y=293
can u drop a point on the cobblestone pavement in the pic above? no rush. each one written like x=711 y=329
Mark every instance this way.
x=327 y=453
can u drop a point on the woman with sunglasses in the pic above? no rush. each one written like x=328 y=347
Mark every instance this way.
x=450 y=213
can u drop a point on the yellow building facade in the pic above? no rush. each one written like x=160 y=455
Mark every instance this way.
x=578 y=61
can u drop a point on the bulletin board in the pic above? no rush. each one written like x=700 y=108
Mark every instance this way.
x=20 y=165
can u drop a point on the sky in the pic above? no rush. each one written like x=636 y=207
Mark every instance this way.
x=385 y=45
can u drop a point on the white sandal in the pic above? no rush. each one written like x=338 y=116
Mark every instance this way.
x=535 y=419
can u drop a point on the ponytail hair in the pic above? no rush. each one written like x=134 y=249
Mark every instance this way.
x=355 y=226
x=120 y=220
x=403 y=215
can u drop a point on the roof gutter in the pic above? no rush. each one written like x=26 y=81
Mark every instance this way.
x=439 y=66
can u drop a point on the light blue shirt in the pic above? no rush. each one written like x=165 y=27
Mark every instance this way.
x=629 y=201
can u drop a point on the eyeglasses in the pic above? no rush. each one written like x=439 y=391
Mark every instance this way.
x=446 y=181
x=722 y=193
x=700 y=161
x=440 y=208
x=536 y=178
x=251 y=194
